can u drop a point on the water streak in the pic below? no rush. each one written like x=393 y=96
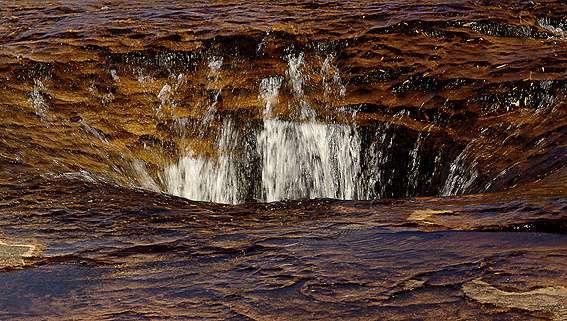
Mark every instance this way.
x=308 y=160
x=462 y=173
x=202 y=178
x=37 y=100
x=214 y=64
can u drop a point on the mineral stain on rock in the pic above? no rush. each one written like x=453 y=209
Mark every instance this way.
x=426 y=216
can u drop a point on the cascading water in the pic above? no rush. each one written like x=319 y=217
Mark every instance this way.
x=305 y=159
x=462 y=174
x=109 y=105
x=207 y=179
x=308 y=160
x=293 y=154
x=298 y=159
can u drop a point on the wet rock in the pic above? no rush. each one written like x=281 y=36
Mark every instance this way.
x=14 y=256
x=552 y=300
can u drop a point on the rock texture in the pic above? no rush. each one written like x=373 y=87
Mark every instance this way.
x=453 y=119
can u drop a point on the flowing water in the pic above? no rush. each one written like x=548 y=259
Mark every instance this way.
x=304 y=159
x=297 y=160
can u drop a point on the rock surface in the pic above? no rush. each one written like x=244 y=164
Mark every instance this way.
x=431 y=135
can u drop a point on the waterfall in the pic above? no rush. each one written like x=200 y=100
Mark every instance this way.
x=305 y=159
x=297 y=159
x=208 y=179
x=308 y=160
x=291 y=152
x=302 y=158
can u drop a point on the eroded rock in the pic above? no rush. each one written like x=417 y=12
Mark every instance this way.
x=552 y=300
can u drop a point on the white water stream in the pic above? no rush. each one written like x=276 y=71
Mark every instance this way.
x=302 y=159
